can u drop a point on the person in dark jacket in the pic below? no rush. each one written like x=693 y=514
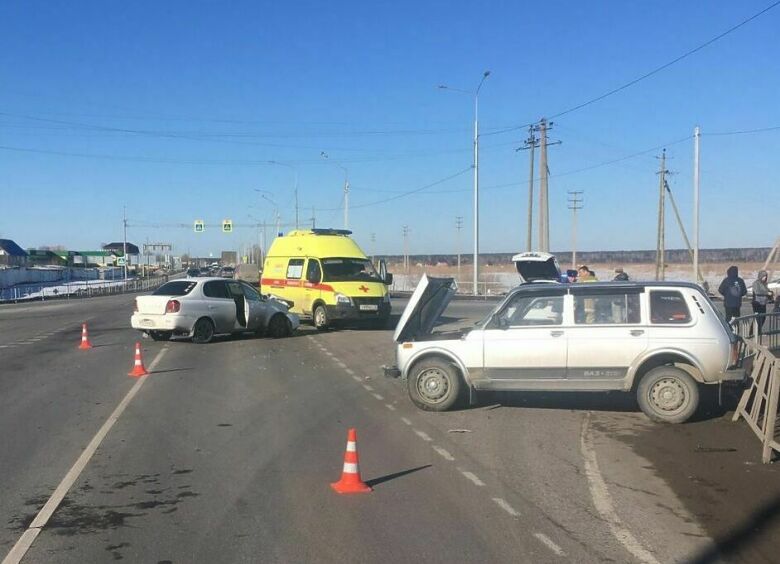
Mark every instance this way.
x=620 y=275
x=733 y=289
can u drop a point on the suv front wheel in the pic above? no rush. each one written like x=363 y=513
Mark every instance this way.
x=668 y=394
x=434 y=385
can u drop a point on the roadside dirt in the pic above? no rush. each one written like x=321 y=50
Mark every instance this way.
x=714 y=467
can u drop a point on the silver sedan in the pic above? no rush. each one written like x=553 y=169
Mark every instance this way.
x=200 y=308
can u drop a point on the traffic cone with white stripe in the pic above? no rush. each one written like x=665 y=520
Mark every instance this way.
x=138 y=364
x=85 y=344
x=350 y=481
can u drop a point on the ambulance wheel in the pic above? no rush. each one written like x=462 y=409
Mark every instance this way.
x=320 y=318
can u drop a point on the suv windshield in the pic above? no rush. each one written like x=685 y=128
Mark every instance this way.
x=349 y=270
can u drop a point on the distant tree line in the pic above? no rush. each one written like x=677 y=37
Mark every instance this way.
x=673 y=256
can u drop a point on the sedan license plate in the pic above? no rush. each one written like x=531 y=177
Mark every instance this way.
x=147 y=322
x=369 y=307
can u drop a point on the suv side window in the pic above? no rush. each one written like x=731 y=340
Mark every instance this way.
x=668 y=306
x=295 y=268
x=534 y=310
x=618 y=308
x=215 y=289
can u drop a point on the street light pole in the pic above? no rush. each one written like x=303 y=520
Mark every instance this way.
x=324 y=155
x=476 y=174
x=295 y=186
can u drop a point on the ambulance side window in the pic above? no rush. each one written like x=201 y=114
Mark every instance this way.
x=295 y=268
x=313 y=271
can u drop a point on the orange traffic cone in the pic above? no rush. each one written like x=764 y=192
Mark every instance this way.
x=138 y=365
x=350 y=481
x=85 y=344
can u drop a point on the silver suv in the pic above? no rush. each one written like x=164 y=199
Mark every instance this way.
x=659 y=339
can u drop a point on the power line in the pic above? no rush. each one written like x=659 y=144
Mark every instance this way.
x=743 y=132
x=651 y=72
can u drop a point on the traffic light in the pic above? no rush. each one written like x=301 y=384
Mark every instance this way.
x=227 y=226
x=199 y=226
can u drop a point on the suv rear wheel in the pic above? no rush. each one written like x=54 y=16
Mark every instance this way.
x=668 y=395
x=434 y=385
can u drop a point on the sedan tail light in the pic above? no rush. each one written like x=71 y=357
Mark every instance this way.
x=173 y=306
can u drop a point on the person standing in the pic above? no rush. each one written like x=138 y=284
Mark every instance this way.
x=620 y=275
x=733 y=289
x=762 y=295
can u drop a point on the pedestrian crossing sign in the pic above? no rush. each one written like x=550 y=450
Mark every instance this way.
x=227 y=226
x=200 y=226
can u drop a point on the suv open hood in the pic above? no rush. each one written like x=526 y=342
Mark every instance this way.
x=427 y=303
x=537 y=266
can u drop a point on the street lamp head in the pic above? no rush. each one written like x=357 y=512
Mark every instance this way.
x=442 y=86
x=323 y=154
x=486 y=74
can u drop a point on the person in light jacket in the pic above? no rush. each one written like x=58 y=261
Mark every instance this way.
x=762 y=295
x=732 y=288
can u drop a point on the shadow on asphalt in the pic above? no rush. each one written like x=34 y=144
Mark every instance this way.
x=170 y=370
x=710 y=408
x=741 y=536
x=387 y=477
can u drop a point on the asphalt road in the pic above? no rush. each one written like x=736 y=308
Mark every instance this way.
x=226 y=451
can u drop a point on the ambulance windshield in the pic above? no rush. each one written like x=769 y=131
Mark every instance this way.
x=349 y=270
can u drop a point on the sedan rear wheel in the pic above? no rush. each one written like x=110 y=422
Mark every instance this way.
x=203 y=331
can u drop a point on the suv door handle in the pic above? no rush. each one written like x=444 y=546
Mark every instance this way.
x=556 y=333
x=637 y=332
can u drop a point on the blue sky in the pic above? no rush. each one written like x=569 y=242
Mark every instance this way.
x=172 y=108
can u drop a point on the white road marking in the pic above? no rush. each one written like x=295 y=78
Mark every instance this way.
x=424 y=436
x=550 y=544
x=28 y=537
x=390 y=406
x=356 y=379
x=444 y=454
x=603 y=501
x=349 y=371
x=405 y=420
x=328 y=353
x=474 y=478
x=367 y=387
x=502 y=503
x=341 y=364
x=377 y=396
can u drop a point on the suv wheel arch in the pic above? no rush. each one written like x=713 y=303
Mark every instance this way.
x=667 y=359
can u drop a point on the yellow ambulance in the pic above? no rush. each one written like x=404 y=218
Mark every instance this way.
x=327 y=278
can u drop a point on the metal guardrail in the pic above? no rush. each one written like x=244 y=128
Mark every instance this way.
x=758 y=329
x=33 y=292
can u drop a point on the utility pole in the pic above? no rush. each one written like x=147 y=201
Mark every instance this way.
x=544 y=207
x=575 y=203
x=697 y=275
x=313 y=219
x=124 y=243
x=373 y=246
x=544 y=212
x=660 y=253
x=406 y=248
x=346 y=203
x=696 y=139
x=530 y=144
x=458 y=227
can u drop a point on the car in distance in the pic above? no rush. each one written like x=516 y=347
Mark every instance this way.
x=193 y=272
x=204 y=307
x=227 y=272
x=661 y=340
